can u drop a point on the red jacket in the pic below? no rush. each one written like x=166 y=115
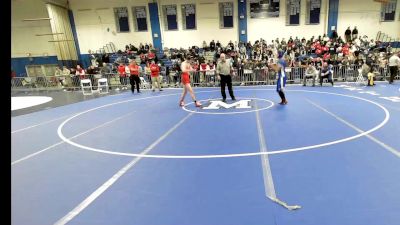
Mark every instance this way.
x=134 y=70
x=155 y=70
x=151 y=55
x=121 y=71
x=203 y=66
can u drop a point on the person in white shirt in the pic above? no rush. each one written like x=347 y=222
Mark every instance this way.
x=312 y=72
x=394 y=64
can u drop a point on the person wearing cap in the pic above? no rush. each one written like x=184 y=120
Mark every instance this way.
x=185 y=79
x=394 y=64
x=224 y=69
x=281 y=82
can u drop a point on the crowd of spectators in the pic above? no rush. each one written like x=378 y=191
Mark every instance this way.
x=261 y=54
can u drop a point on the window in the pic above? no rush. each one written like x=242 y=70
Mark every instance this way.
x=170 y=17
x=226 y=14
x=121 y=18
x=292 y=12
x=139 y=18
x=388 y=10
x=313 y=11
x=264 y=8
x=189 y=16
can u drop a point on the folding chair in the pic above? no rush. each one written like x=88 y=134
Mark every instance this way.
x=86 y=84
x=102 y=85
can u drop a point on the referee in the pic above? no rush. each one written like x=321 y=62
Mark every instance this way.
x=394 y=64
x=224 y=69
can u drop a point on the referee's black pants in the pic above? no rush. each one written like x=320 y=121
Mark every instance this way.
x=393 y=73
x=226 y=80
x=134 y=79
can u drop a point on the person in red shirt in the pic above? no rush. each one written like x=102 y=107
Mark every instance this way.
x=185 y=79
x=203 y=68
x=80 y=72
x=345 y=50
x=325 y=49
x=326 y=56
x=211 y=65
x=134 y=76
x=317 y=45
x=155 y=78
x=151 y=55
x=122 y=75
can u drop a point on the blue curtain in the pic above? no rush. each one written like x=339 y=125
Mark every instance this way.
x=142 y=24
x=171 y=21
x=123 y=24
x=228 y=21
x=191 y=21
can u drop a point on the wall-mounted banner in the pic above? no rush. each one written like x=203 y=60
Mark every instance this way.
x=121 y=19
x=313 y=11
x=139 y=18
x=226 y=14
x=189 y=16
x=264 y=8
x=170 y=10
x=140 y=12
x=292 y=12
x=170 y=17
x=388 y=10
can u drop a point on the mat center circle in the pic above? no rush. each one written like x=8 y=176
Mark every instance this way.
x=240 y=105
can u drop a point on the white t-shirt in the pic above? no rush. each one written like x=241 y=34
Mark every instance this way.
x=394 y=61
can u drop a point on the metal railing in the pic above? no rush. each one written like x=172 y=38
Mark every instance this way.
x=263 y=76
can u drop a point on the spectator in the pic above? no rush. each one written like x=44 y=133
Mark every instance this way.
x=311 y=72
x=371 y=77
x=326 y=72
x=122 y=76
x=334 y=35
x=151 y=55
x=59 y=76
x=80 y=72
x=354 y=33
x=155 y=76
x=105 y=70
x=204 y=45
x=394 y=64
x=212 y=45
x=365 y=69
x=65 y=71
x=218 y=45
x=347 y=35
x=106 y=58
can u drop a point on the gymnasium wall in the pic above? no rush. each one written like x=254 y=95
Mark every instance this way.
x=95 y=25
x=272 y=28
x=365 y=14
x=23 y=34
x=208 y=28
